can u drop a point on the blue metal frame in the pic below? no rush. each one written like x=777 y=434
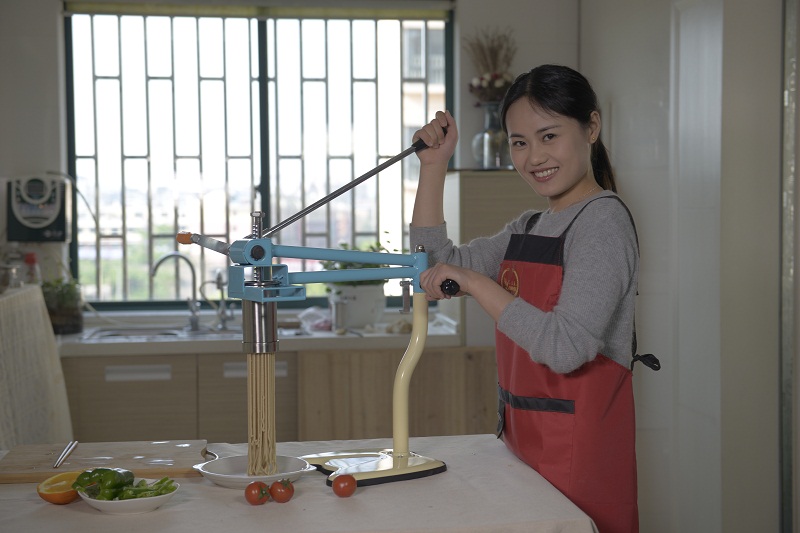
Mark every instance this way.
x=247 y=254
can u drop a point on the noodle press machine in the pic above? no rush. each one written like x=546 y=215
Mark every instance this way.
x=261 y=284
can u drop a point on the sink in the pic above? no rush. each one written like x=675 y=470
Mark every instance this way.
x=133 y=331
x=119 y=333
x=213 y=332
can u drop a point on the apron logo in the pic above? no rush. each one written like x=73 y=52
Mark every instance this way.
x=509 y=280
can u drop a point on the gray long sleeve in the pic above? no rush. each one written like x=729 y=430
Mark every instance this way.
x=595 y=310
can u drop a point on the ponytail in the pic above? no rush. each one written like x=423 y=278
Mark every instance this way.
x=601 y=167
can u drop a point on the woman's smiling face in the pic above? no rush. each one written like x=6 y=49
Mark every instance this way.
x=552 y=152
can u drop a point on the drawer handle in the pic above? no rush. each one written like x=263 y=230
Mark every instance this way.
x=238 y=369
x=117 y=373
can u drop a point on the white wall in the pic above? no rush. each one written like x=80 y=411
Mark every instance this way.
x=685 y=85
x=626 y=52
x=32 y=113
x=31 y=87
x=705 y=200
x=750 y=223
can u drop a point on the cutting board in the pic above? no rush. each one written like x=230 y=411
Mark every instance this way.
x=33 y=463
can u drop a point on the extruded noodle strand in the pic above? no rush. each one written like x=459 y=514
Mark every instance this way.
x=261 y=452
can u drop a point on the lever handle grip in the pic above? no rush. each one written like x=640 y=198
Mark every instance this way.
x=419 y=144
x=450 y=287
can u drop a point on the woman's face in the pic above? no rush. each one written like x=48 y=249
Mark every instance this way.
x=552 y=153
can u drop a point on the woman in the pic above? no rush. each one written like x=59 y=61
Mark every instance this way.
x=560 y=285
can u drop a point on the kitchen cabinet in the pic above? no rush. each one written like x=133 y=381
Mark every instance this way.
x=120 y=398
x=222 y=397
x=140 y=397
x=319 y=394
x=348 y=394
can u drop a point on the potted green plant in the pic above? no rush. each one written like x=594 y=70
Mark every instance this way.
x=356 y=304
x=64 y=301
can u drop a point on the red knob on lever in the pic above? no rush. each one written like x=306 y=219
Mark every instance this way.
x=184 y=237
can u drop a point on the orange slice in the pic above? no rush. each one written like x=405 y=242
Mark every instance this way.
x=58 y=489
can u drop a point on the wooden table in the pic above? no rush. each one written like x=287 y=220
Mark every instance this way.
x=485 y=489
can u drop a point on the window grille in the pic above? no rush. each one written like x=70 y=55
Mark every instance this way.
x=171 y=133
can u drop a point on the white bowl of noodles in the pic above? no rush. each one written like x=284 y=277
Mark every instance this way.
x=231 y=472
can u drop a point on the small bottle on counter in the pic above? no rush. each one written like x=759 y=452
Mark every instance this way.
x=32 y=275
x=12 y=266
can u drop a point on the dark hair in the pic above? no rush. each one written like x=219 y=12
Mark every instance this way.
x=562 y=91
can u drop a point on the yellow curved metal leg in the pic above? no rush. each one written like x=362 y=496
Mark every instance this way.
x=375 y=466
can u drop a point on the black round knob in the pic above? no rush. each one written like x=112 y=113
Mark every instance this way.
x=450 y=287
x=258 y=252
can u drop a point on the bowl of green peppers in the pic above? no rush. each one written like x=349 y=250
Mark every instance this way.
x=118 y=491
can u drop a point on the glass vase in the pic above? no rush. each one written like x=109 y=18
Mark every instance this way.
x=490 y=145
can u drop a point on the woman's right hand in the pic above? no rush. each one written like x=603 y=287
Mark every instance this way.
x=441 y=146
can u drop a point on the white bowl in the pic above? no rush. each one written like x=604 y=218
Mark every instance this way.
x=134 y=506
x=231 y=472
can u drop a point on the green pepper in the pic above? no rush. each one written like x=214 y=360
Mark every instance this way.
x=127 y=494
x=118 y=484
x=83 y=480
x=115 y=478
x=103 y=483
x=106 y=494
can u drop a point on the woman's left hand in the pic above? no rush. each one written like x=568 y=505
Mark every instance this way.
x=431 y=280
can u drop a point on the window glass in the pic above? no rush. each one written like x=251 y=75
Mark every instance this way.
x=168 y=127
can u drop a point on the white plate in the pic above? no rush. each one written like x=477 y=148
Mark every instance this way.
x=231 y=472
x=135 y=506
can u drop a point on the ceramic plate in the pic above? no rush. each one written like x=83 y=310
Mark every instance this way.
x=135 y=506
x=231 y=472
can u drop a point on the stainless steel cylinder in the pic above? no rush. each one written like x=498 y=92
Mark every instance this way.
x=259 y=327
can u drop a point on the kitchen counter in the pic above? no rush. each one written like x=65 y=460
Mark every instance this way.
x=485 y=489
x=442 y=332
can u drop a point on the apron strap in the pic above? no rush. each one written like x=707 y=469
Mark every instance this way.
x=649 y=360
x=532 y=222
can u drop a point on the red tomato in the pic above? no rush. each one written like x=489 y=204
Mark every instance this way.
x=344 y=485
x=257 y=493
x=281 y=491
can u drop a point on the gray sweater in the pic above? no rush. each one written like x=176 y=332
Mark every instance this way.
x=595 y=311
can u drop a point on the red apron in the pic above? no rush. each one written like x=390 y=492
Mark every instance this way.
x=578 y=429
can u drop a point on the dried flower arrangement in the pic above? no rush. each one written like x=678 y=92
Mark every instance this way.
x=491 y=51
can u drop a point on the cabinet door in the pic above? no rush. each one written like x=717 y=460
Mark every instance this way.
x=133 y=398
x=345 y=394
x=222 y=397
x=348 y=394
x=454 y=392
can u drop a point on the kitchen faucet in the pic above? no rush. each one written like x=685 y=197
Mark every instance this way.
x=194 y=318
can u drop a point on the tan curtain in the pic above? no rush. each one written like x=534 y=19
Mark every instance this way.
x=33 y=397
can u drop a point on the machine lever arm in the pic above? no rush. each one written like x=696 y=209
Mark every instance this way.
x=186 y=237
x=418 y=145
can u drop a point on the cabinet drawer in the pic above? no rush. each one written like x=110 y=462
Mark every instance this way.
x=222 y=397
x=134 y=398
x=348 y=395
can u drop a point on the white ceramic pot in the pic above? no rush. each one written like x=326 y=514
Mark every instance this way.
x=356 y=306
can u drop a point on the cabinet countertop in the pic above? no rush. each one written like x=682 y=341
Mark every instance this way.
x=76 y=346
